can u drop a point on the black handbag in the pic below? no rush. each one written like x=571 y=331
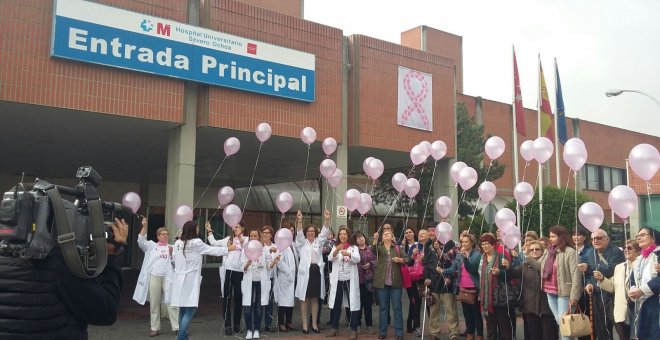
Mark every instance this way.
x=507 y=293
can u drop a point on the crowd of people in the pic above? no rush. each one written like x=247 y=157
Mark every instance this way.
x=542 y=280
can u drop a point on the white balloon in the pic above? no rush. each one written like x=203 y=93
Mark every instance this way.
x=543 y=149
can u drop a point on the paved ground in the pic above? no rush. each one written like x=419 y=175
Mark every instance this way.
x=133 y=320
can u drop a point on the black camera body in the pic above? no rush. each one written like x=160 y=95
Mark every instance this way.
x=28 y=223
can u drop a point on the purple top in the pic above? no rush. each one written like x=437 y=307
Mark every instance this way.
x=366 y=256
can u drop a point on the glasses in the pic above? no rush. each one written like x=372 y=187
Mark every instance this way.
x=642 y=235
x=598 y=238
x=164 y=234
x=629 y=248
x=535 y=249
x=265 y=232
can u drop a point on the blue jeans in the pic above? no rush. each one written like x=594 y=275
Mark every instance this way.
x=385 y=295
x=559 y=306
x=185 y=316
x=253 y=311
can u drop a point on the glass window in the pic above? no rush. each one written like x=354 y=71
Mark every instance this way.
x=607 y=178
x=618 y=177
x=583 y=178
x=592 y=177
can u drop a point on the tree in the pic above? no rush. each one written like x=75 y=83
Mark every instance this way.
x=470 y=150
x=559 y=207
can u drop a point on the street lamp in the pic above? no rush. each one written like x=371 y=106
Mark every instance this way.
x=615 y=92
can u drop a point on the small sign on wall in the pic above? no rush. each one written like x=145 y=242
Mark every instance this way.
x=342 y=212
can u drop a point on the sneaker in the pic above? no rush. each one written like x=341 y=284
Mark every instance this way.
x=255 y=334
x=418 y=332
x=248 y=335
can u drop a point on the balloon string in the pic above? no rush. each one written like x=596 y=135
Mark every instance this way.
x=252 y=179
x=536 y=188
x=211 y=181
x=648 y=194
x=488 y=170
x=215 y=212
x=327 y=196
x=577 y=256
x=313 y=189
x=428 y=197
x=304 y=178
x=388 y=212
x=561 y=206
x=524 y=171
x=456 y=213
x=476 y=206
x=407 y=214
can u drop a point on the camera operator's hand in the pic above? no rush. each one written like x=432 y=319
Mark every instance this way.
x=120 y=231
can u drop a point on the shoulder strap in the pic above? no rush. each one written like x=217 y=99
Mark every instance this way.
x=66 y=238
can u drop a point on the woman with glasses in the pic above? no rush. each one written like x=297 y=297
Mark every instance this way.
x=539 y=320
x=155 y=278
x=344 y=282
x=645 y=286
x=498 y=319
x=310 y=270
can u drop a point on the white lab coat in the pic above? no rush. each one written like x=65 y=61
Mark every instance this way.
x=246 y=284
x=304 y=251
x=285 y=278
x=232 y=259
x=141 y=294
x=188 y=271
x=354 y=281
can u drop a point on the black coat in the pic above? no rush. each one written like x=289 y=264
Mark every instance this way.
x=43 y=300
x=534 y=300
x=434 y=259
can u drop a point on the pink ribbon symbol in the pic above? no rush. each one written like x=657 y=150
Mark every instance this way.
x=415 y=98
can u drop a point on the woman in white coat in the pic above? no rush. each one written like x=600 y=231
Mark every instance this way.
x=284 y=268
x=310 y=270
x=188 y=254
x=231 y=275
x=344 y=282
x=255 y=287
x=155 y=278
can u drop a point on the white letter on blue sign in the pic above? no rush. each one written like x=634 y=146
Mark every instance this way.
x=77 y=36
x=208 y=63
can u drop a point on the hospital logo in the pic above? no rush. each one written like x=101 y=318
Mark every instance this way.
x=252 y=48
x=146 y=25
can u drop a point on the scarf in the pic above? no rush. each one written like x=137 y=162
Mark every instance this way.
x=549 y=262
x=162 y=244
x=646 y=252
x=487 y=282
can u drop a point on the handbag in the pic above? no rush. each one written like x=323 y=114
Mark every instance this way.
x=405 y=273
x=467 y=296
x=574 y=325
x=416 y=271
x=506 y=294
x=430 y=299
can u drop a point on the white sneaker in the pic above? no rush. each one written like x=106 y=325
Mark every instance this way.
x=248 y=335
x=255 y=334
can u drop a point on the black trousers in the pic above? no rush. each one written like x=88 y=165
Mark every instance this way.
x=366 y=301
x=284 y=316
x=232 y=293
x=502 y=323
x=474 y=324
x=541 y=327
x=343 y=287
x=414 y=307
x=603 y=316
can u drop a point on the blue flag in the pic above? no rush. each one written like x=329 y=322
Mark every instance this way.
x=561 y=116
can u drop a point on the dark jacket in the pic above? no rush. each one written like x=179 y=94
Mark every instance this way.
x=534 y=300
x=41 y=299
x=442 y=258
x=648 y=326
x=471 y=265
x=381 y=265
x=612 y=255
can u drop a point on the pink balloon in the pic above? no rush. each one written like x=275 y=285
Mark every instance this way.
x=375 y=168
x=327 y=168
x=132 y=200
x=225 y=195
x=182 y=215
x=443 y=206
x=575 y=154
x=253 y=250
x=443 y=232
x=352 y=199
x=232 y=215
x=438 y=150
x=284 y=201
x=283 y=239
x=591 y=216
x=512 y=237
x=427 y=147
x=527 y=150
x=524 y=193
x=399 y=181
x=365 y=164
x=487 y=191
x=418 y=154
x=456 y=169
x=336 y=178
x=365 y=203
x=467 y=178
x=543 y=149
x=644 y=160
x=412 y=187
x=308 y=135
x=506 y=229
x=232 y=145
x=329 y=146
x=623 y=201
x=263 y=132
x=505 y=218
x=494 y=147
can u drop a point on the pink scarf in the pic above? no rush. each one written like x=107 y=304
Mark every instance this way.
x=646 y=252
x=162 y=244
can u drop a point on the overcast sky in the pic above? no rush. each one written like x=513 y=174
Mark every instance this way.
x=599 y=45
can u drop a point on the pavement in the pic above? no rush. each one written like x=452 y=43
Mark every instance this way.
x=133 y=319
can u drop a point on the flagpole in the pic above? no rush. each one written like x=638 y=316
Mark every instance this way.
x=514 y=131
x=557 y=130
x=540 y=166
